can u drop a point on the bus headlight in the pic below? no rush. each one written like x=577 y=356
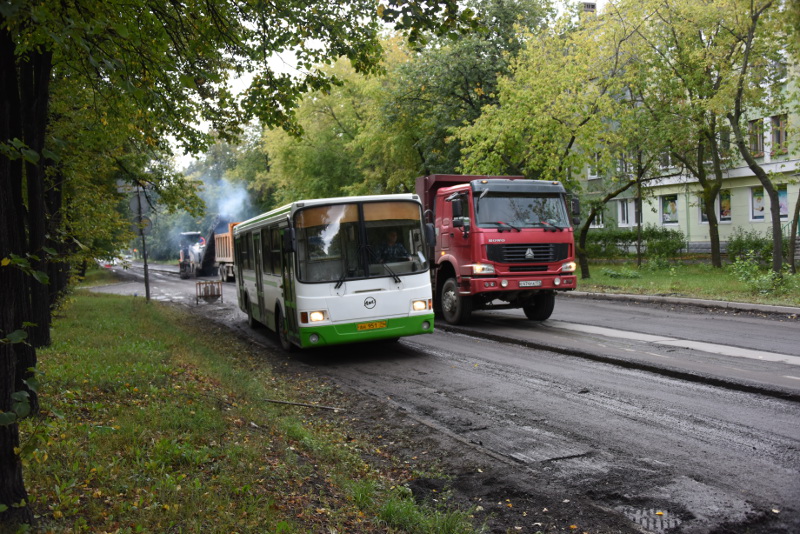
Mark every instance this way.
x=569 y=267
x=313 y=317
x=421 y=305
x=482 y=268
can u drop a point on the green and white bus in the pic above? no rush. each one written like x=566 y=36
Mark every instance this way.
x=326 y=271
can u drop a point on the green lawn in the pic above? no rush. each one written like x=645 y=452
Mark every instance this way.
x=692 y=280
x=152 y=422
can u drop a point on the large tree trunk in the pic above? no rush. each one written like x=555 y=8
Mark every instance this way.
x=35 y=70
x=13 y=288
x=769 y=189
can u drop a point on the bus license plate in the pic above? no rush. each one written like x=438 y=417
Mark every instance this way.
x=371 y=326
x=530 y=283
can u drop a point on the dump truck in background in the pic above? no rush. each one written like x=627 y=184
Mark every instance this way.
x=223 y=251
x=501 y=242
x=210 y=254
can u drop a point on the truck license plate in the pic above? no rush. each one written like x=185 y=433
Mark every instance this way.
x=530 y=283
x=371 y=326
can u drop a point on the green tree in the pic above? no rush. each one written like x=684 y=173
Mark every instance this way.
x=691 y=57
x=169 y=63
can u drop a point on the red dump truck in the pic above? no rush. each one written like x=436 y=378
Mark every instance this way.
x=501 y=242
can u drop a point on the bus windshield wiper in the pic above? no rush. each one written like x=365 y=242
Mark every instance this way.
x=378 y=259
x=341 y=279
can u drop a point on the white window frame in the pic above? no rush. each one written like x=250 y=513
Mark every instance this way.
x=717 y=208
x=628 y=207
x=593 y=169
x=661 y=200
x=598 y=221
x=755 y=137
x=779 y=139
x=754 y=206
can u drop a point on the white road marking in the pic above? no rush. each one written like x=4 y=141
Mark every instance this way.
x=725 y=350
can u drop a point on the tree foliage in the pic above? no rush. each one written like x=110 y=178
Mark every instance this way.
x=141 y=72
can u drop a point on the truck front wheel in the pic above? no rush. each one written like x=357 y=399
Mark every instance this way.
x=456 y=309
x=542 y=307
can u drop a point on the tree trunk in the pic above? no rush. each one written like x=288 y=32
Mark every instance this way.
x=35 y=70
x=793 y=236
x=769 y=189
x=583 y=258
x=13 y=289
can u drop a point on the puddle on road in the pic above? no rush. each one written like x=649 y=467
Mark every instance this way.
x=651 y=519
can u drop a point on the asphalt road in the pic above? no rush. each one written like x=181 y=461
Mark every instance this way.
x=681 y=419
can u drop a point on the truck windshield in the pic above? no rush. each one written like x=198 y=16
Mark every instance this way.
x=342 y=242
x=516 y=211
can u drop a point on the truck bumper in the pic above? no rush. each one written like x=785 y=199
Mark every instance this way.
x=505 y=284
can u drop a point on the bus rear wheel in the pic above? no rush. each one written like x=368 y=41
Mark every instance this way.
x=456 y=309
x=283 y=331
x=542 y=307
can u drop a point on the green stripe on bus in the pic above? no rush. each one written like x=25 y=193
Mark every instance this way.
x=349 y=333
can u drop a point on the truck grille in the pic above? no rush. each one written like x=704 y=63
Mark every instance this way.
x=521 y=253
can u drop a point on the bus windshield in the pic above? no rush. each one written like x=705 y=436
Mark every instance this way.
x=340 y=242
x=515 y=211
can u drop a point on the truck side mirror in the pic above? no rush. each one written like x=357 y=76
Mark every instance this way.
x=458 y=208
x=430 y=234
x=576 y=206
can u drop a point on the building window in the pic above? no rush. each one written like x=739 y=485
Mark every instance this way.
x=665 y=160
x=626 y=212
x=594 y=167
x=669 y=209
x=724 y=200
x=722 y=204
x=783 y=201
x=756 y=134
x=756 y=203
x=598 y=222
x=779 y=145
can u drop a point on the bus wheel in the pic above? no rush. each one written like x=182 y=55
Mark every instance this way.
x=542 y=307
x=251 y=321
x=456 y=309
x=283 y=331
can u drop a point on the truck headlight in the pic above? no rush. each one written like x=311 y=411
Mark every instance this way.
x=569 y=267
x=482 y=268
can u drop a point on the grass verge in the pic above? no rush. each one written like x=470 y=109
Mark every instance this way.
x=692 y=280
x=153 y=423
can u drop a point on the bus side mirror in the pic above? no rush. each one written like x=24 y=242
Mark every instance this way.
x=430 y=234
x=288 y=240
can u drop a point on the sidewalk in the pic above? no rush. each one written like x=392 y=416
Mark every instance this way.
x=790 y=311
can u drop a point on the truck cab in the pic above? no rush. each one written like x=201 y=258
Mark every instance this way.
x=501 y=242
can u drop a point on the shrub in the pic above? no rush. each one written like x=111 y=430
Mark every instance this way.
x=749 y=271
x=750 y=243
x=656 y=241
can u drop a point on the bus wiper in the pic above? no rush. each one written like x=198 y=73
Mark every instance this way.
x=340 y=281
x=378 y=259
x=394 y=275
x=506 y=224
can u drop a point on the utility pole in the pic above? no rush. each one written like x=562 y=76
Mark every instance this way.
x=143 y=222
